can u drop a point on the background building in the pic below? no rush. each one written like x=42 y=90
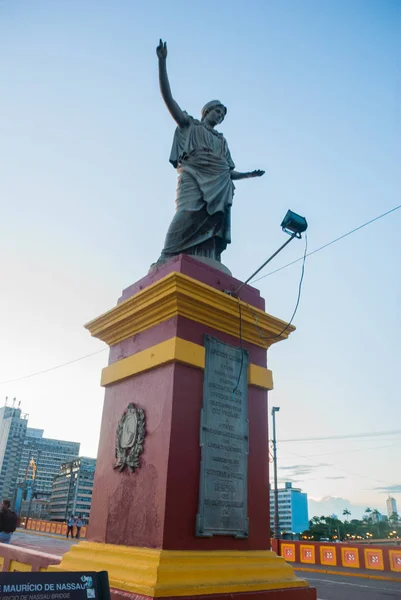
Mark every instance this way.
x=36 y=508
x=13 y=427
x=292 y=509
x=47 y=455
x=72 y=490
x=28 y=461
x=391 y=506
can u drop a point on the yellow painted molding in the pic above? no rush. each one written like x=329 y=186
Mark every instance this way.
x=158 y=573
x=180 y=295
x=16 y=565
x=260 y=377
x=174 y=349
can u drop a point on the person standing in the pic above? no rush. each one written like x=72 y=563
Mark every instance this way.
x=8 y=522
x=78 y=524
x=70 y=526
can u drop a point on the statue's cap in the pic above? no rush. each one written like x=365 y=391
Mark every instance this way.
x=210 y=105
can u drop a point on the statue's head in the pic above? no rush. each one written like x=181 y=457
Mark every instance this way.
x=214 y=110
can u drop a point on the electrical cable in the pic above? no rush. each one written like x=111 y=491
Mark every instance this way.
x=365 y=477
x=255 y=316
x=240 y=344
x=342 y=452
x=341 y=237
x=353 y=474
x=344 y=436
x=259 y=278
x=70 y=362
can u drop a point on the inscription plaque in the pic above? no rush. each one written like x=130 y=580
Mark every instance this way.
x=223 y=507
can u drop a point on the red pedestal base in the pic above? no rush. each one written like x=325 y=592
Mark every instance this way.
x=283 y=594
x=142 y=524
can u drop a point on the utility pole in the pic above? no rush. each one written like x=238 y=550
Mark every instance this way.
x=276 y=521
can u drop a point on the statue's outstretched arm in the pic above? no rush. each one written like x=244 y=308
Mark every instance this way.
x=237 y=175
x=178 y=115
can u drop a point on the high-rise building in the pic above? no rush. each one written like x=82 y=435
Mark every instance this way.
x=72 y=490
x=13 y=427
x=40 y=462
x=292 y=509
x=391 y=506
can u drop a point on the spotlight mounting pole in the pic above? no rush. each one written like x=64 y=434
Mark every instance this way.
x=292 y=224
x=239 y=288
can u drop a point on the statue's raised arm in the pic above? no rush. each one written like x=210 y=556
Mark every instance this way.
x=206 y=171
x=178 y=115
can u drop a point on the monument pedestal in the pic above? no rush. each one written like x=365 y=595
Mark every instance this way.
x=143 y=525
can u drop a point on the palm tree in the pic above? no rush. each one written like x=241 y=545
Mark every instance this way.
x=376 y=515
x=346 y=512
x=368 y=517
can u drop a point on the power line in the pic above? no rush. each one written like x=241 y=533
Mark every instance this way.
x=366 y=477
x=353 y=474
x=52 y=368
x=259 y=278
x=344 y=436
x=330 y=243
x=342 y=452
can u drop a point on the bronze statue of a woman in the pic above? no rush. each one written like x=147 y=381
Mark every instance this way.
x=201 y=224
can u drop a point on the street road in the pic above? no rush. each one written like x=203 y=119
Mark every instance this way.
x=340 y=587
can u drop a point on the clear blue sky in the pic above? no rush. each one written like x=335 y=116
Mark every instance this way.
x=313 y=96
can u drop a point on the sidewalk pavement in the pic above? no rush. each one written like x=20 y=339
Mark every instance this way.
x=46 y=534
x=42 y=542
x=365 y=573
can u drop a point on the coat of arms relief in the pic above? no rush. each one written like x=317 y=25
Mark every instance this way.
x=130 y=438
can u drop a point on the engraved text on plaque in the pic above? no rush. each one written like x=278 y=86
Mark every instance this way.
x=224 y=441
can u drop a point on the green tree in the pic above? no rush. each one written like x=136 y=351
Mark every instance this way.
x=324 y=527
x=368 y=517
x=376 y=514
x=382 y=529
x=317 y=528
x=346 y=513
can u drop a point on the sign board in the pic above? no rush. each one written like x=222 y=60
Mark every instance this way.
x=54 y=586
x=223 y=508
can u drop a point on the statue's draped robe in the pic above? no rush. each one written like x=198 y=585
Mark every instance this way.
x=201 y=224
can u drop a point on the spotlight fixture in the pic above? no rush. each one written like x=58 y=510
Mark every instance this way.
x=292 y=224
